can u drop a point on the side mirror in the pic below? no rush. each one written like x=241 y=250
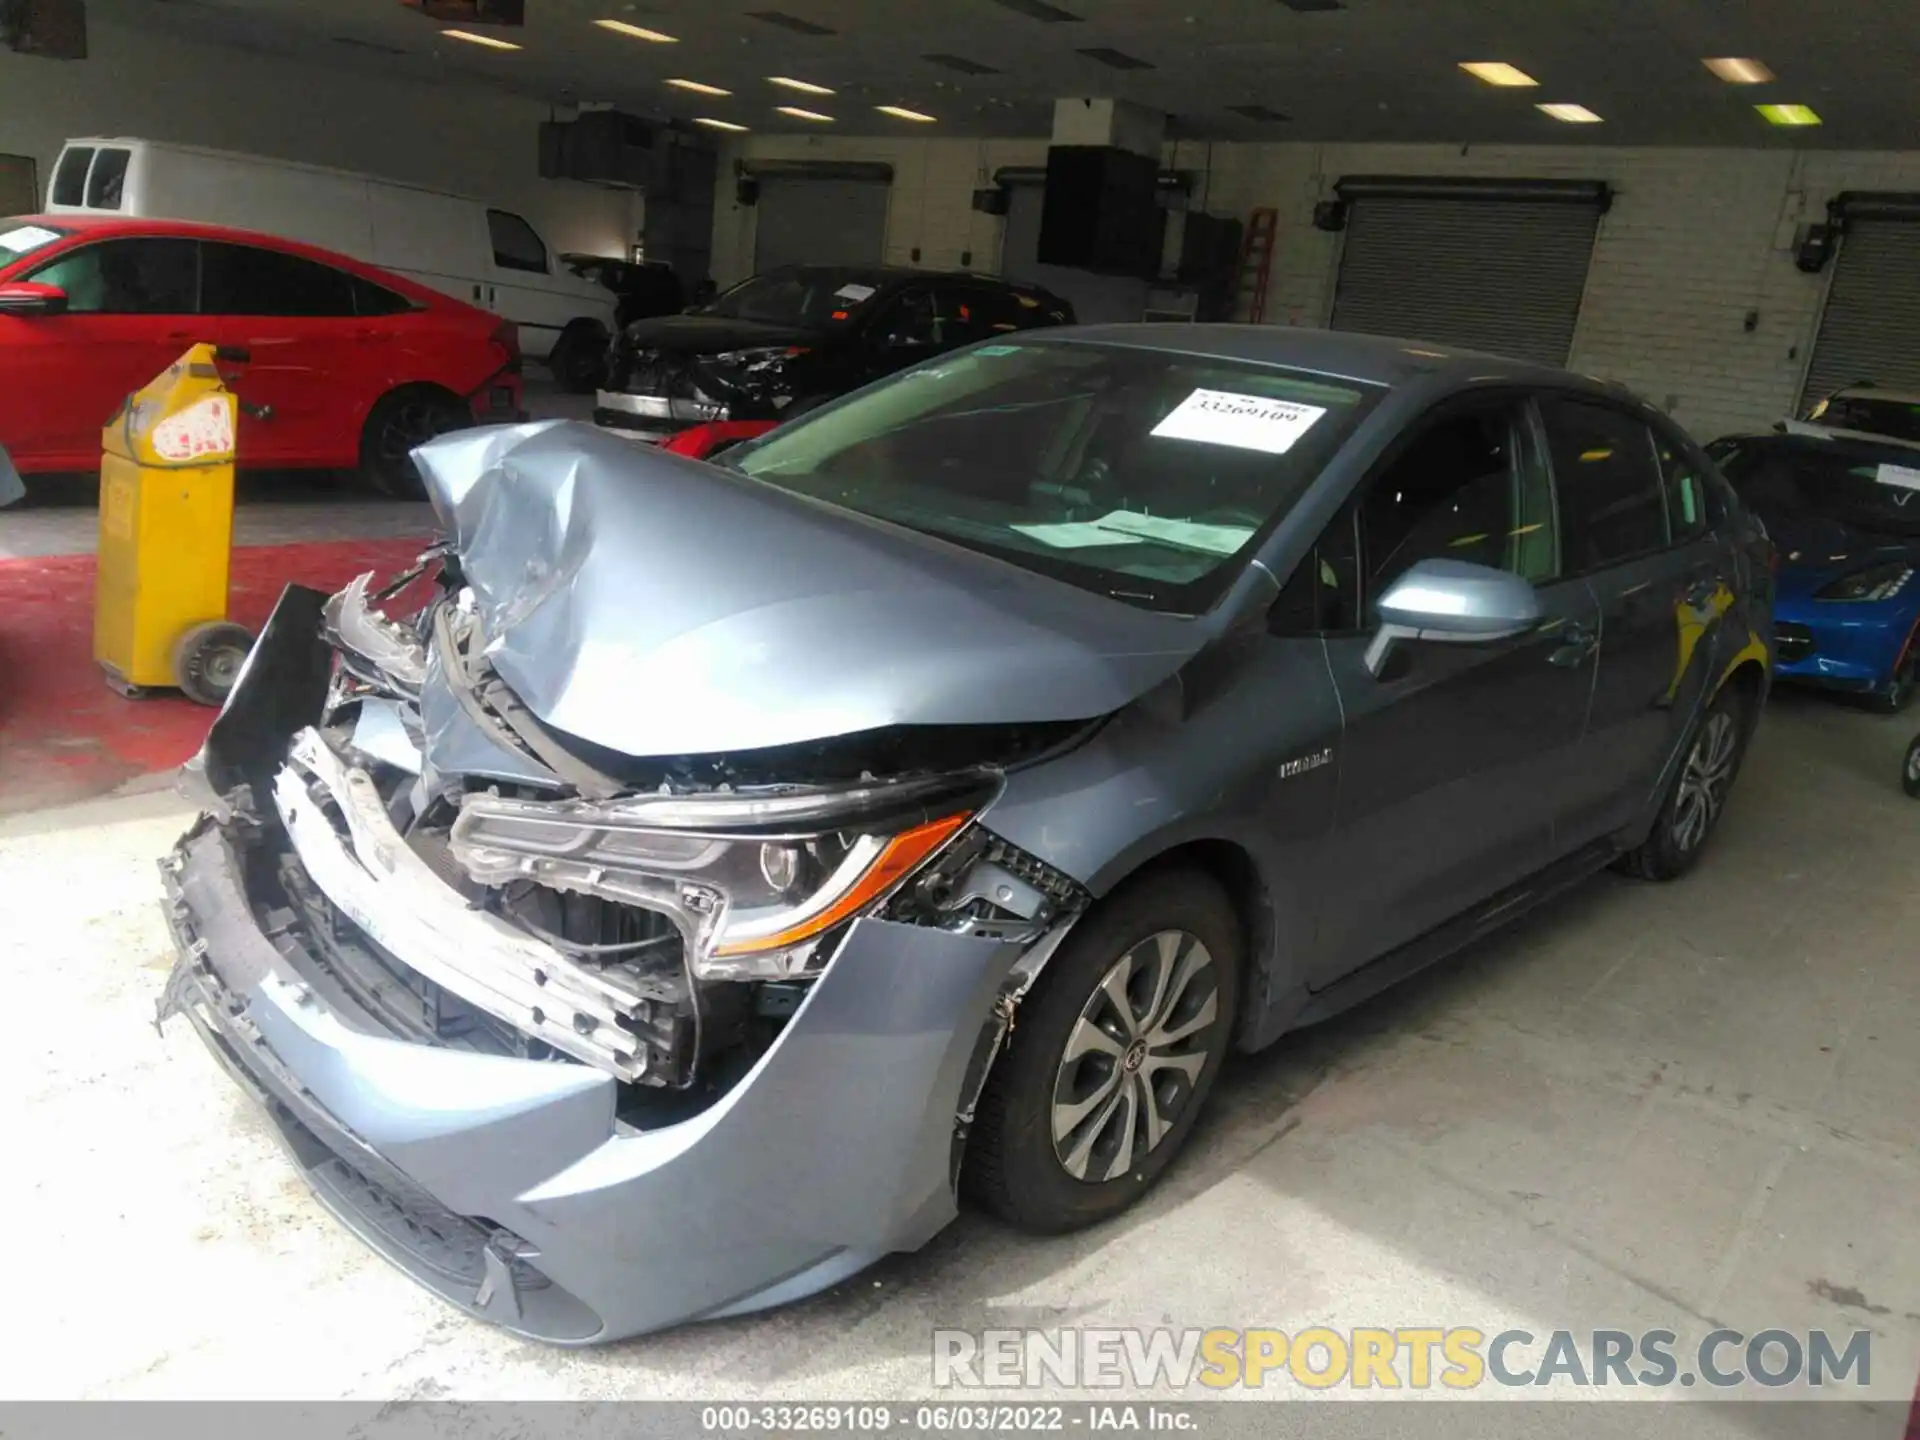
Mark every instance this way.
x=1453 y=601
x=24 y=297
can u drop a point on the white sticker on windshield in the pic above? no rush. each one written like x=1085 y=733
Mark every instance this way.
x=1075 y=535
x=1181 y=534
x=1903 y=476
x=1247 y=422
x=28 y=237
x=855 y=293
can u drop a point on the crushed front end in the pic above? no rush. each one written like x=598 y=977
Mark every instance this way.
x=592 y=1046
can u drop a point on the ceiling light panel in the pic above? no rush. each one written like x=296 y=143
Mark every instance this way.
x=698 y=88
x=900 y=112
x=1116 y=59
x=1788 y=114
x=795 y=23
x=1040 y=10
x=713 y=124
x=638 y=32
x=797 y=113
x=1498 y=72
x=1738 y=71
x=473 y=39
x=1570 y=114
x=960 y=63
x=805 y=87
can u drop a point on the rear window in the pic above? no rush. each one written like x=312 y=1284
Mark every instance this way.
x=22 y=237
x=246 y=280
x=107 y=180
x=70 y=177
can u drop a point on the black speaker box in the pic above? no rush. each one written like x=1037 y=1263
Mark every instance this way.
x=1101 y=211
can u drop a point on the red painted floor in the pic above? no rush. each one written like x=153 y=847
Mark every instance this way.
x=64 y=736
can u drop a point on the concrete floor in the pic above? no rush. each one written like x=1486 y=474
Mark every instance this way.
x=1649 y=1106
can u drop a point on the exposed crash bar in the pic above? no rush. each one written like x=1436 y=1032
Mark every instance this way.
x=386 y=889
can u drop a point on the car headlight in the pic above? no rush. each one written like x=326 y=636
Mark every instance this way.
x=1883 y=582
x=759 y=360
x=754 y=888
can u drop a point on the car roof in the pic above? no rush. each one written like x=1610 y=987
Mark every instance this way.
x=1371 y=359
x=1805 y=435
x=1875 y=392
x=101 y=226
x=882 y=274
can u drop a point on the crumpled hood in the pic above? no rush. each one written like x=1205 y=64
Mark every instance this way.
x=658 y=606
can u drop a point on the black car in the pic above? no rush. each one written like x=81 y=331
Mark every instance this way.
x=783 y=342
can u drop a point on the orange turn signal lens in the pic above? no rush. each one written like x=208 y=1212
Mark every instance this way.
x=903 y=854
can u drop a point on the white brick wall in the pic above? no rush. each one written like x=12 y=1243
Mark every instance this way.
x=1696 y=240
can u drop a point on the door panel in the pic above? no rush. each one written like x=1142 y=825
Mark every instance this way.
x=130 y=314
x=309 y=355
x=1456 y=759
x=1660 y=619
x=1450 y=775
x=1634 y=521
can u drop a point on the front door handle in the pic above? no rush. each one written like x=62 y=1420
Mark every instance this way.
x=1576 y=647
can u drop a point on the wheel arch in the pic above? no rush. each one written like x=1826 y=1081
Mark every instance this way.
x=1234 y=863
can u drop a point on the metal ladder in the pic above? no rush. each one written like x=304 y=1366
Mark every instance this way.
x=1256 y=261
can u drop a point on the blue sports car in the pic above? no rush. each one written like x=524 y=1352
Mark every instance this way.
x=1844 y=511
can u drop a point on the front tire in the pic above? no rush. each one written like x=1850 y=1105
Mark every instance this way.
x=1698 y=794
x=1111 y=1058
x=1910 y=769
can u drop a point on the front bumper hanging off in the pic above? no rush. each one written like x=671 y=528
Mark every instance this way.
x=508 y=1186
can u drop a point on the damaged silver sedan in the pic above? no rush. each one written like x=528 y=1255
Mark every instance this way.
x=721 y=870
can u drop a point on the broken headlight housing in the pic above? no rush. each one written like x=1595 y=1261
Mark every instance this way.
x=755 y=883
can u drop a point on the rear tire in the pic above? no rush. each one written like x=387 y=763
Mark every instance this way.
x=1698 y=795
x=578 y=359
x=1111 y=1058
x=400 y=421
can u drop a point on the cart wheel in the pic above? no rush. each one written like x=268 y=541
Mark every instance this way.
x=1910 y=774
x=207 y=660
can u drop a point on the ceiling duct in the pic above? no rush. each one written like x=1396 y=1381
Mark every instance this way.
x=51 y=29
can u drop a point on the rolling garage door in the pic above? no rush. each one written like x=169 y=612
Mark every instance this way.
x=820 y=220
x=1870 y=329
x=1495 y=266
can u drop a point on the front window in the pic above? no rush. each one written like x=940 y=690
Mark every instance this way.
x=20 y=238
x=808 y=297
x=1872 y=414
x=1865 y=486
x=1136 y=473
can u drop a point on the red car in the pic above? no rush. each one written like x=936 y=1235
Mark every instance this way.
x=703 y=442
x=349 y=367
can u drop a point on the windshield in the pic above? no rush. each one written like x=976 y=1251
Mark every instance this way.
x=812 y=298
x=1137 y=473
x=1867 y=487
x=1873 y=414
x=23 y=237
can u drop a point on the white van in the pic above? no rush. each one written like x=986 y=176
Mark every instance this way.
x=487 y=257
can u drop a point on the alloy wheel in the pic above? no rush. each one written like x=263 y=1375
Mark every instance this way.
x=1134 y=1056
x=411 y=424
x=1705 y=780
